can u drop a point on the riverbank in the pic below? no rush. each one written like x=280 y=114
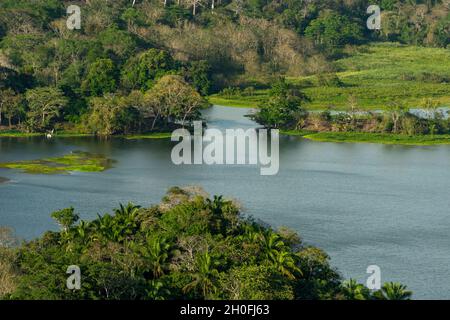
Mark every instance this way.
x=152 y=135
x=383 y=138
x=18 y=134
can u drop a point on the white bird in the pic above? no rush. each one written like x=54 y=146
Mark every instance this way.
x=50 y=134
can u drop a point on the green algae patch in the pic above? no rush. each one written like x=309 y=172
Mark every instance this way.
x=74 y=161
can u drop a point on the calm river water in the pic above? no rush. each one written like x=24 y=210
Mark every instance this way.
x=363 y=203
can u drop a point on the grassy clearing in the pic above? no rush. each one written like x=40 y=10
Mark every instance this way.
x=237 y=102
x=153 y=135
x=75 y=161
x=376 y=75
x=379 y=138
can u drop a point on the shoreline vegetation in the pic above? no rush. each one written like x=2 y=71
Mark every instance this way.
x=19 y=134
x=381 y=138
x=189 y=246
x=349 y=137
x=397 y=124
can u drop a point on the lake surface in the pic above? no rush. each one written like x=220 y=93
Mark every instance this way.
x=363 y=203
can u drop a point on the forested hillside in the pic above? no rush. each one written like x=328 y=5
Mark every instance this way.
x=117 y=73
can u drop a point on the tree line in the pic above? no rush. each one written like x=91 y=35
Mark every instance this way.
x=284 y=110
x=126 y=46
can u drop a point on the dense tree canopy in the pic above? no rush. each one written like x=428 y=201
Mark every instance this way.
x=189 y=246
x=123 y=47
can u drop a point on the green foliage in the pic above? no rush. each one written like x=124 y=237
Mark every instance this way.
x=188 y=247
x=383 y=138
x=256 y=282
x=140 y=72
x=393 y=291
x=198 y=73
x=65 y=217
x=45 y=104
x=239 y=44
x=377 y=74
x=283 y=108
x=172 y=97
x=333 y=29
x=101 y=78
x=118 y=42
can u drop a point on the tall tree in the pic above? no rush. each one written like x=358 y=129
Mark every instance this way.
x=173 y=98
x=13 y=106
x=6 y=99
x=101 y=78
x=44 y=104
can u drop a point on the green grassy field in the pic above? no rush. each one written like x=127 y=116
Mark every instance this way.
x=375 y=75
x=379 y=138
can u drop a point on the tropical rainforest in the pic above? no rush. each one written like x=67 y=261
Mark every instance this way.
x=147 y=66
x=190 y=246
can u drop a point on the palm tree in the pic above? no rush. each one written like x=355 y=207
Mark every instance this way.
x=271 y=245
x=125 y=222
x=393 y=291
x=130 y=210
x=285 y=263
x=355 y=291
x=156 y=290
x=205 y=277
x=158 y=253
x=217 y=205
x=82 y=228
x=105 y=226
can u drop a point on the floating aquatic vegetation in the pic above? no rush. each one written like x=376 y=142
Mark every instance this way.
x=74 y=161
